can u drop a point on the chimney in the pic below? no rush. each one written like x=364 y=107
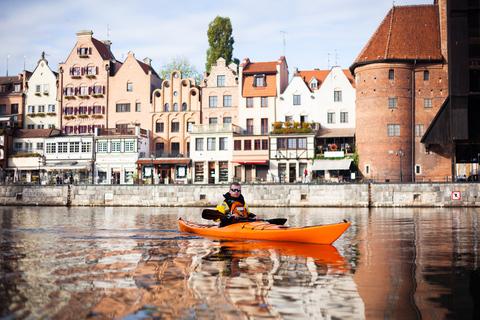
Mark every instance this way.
x=148 y=61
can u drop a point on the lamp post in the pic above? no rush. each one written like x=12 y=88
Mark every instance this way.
x=400 y=154
x=153 y=169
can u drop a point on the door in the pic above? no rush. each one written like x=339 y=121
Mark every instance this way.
x=211 y=172
x=293 y=172
x=248 y=173
x=116 y=177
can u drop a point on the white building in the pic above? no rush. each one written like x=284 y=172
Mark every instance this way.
x=41 y=106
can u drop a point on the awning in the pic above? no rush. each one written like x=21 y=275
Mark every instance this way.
x=250 y=161
x=164 y=161
x=2 y=119
x=336 y=133
x=343 y=164
x=67 y=166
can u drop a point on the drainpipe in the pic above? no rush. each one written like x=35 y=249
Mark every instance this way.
x=413 y=120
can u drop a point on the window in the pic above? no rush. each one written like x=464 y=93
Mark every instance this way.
x=30 y=126
x=392 y=102
x=167 y=107
x=264 y=144
x=264 y=125
x=14 y=108
x=249 y=126
x=175 y=126
x=313 y=85
x=343 y=117
x=212 y=120
x=331 y=117
x=302 y=143
x=297 y=100
x=69 y=110
x=175 y=106
x=227 y=101
x=17 y=87
x=83 y=51
x=51 y=147
x=247 y=145
x=51 y=108
x=223 y=171
x=391 y=74
x=259 y=81
x=292 y=143
x=37 y=88
x=249 y=102
x=83 y=90
x=159 y=149
x=221 y=81
x=418 y=169
x=86 y=147
x=257 y=144
x=97 y=89
x=426 y=75
x=39 y=145
x=41 y=109
x=74 y=147
x=97 y=110
x=90 y=70
x=199 y=169
x=289 y=119
x=198 y=144
x=211 y=143
x=18 y=145
x=264 y=102
x=427 y=103
x=82 y=110
x=129 y=86
x=40 y=126
x=83 y=129
x=227 y=120
x=223 y=144
x=418 y=130
x=237 y=145
x=31 y=109
x=3 y=109
x=367 y=169
x=115 y=146
x=63 y=147
x=212 y=102
x=190 y=126
x=281 y=143
x=123 y=107
x=159 y=127
x=337 y=96
x=102 y=147
x=69 y=129
x=69 y=91
x=393 y=130
x=138 y=107
x=46 y=88
x=184 y=106
x=129 y=146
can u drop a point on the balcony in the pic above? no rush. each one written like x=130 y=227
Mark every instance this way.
x=116 y=132
x=212 y=128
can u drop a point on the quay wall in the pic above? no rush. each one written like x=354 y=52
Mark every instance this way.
x=257 y=195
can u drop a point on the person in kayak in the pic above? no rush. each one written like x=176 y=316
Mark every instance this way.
x=234 y=206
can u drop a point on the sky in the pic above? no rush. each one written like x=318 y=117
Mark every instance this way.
x=309 y=33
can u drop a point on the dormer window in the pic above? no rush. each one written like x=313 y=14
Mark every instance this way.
x=313 y=85
x=84 y=51
x=259 y=81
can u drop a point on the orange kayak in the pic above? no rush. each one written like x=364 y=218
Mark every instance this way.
x=258 y=230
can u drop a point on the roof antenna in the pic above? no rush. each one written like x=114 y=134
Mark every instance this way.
x=283 y=41
x=108 y=34
x=393 y=4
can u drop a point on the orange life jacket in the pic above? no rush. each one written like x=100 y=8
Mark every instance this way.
x=238 y=209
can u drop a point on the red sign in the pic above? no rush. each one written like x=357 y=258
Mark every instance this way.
x=456 y=195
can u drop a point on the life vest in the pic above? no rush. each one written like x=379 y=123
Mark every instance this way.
x=237 y=209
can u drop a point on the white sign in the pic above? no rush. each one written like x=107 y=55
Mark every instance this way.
x=109 y=196
x=456 y=195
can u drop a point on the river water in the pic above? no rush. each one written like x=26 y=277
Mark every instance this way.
x=134 y=263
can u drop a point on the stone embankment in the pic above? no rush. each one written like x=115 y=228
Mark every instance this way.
x=257 y=195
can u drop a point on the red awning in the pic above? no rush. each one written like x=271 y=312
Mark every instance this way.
x=250 y=161
x=163 y=161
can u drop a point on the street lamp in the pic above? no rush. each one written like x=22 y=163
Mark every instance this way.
x=153 y=169
x=400 y=154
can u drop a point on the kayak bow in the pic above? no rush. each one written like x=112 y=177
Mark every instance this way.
x=259 y=230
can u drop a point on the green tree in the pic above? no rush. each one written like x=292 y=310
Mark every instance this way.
x=220 y=40
x=183 y=65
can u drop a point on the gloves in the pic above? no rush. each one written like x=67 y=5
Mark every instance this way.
x=227 y=218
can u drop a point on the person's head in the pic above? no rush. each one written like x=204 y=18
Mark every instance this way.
x=235 y=189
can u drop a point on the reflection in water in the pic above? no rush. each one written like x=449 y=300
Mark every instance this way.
x=133 y=263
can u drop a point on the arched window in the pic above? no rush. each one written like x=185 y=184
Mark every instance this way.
x=391 y=74
x=184 y=106
x=175 y=106
x=426 y=75
x=167 y=107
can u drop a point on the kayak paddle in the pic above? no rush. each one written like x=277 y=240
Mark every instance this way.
x=210 y=214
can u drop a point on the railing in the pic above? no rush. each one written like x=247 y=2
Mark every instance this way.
x=225 y=127
x=116 y=131
x=162 y=154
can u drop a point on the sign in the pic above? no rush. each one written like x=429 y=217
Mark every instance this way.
x=456 y=195
x=108 y=196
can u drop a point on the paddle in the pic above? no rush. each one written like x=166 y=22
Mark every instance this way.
x=210 y=214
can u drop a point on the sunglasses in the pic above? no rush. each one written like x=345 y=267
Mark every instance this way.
x=236 y=190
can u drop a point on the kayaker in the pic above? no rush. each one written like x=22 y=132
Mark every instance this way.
x=234 y=206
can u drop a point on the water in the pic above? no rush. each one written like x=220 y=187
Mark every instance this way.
x=134 y=263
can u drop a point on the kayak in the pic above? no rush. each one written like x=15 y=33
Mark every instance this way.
x=260 y=230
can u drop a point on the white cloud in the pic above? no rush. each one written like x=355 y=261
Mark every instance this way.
x=162 y=30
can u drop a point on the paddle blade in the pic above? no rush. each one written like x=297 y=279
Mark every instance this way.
x=210 y=214
x=277 y=221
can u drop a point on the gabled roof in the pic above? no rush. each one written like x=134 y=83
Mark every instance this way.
x=320 y=75
x=145 y=67
x=105 y=53
x=260 y=67
x=406 y=33
x=269 y=69
x=35 y=133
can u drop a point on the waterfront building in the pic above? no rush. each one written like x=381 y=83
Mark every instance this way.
x=121 y=156
x=212 y=141
x=27 y=156
x=260 y=84
x=41 y=105
x=84 y=83
x=401 y=83
x=176 y=109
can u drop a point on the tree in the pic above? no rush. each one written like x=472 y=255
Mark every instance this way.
x=184 y=66
x=220 y=40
